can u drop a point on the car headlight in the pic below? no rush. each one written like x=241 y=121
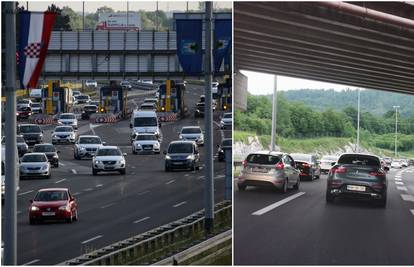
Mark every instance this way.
x=44 y=167
x=157 y=145
x=167 y=157
x=190 y=157
x=180 y=136
x=66 y=207
x=98 y=162
x=138 y=145
x=34 y=208
x=60 y=123
x=55 y=156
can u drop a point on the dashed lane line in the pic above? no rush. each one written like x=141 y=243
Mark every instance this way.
x=91 y=239
x=57 y=182
x=74 y=171
x=412 y=212
x=31 y=262
x=143 y=193
x=76 y=193
x=170 y=182
x=88 y=189
x=61 y=164
x=25 y=193
x=179 y=204
x=99 y=185
x=407 y=197
x=186 y=175
x=402 y=188
x=108 y=205
x=141 y=220
x=277 y=204
x=397 y=179
x=200 y=177
x=399 y=183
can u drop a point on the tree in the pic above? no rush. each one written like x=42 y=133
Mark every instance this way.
x=62 y=22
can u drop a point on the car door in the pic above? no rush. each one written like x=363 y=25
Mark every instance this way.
x=294 y=176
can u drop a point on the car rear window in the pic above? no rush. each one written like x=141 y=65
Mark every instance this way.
x=301 y=157
x=263 y=159
x=363 y=160
x=44 y=148
x=30 y=129
x=67 y=116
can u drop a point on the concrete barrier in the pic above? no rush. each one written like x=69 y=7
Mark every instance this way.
x=159 y=243
x=42 y=119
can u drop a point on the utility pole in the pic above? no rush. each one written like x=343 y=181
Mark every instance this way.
x=187 y=6
x=359 y=112
x=10 y=229
x=156 y=17
x=208 y=68
x=127 y=15
x=83 y=20
x=396 y=128
x=274 y=115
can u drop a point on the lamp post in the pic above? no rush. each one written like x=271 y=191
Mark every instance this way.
x=358 y=119
x=396 y=128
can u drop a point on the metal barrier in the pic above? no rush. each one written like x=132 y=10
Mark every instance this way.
x=159 y=243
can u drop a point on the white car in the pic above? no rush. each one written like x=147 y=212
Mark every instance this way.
x=35 y=165
x=63 y=134
x=91 y=83
x=36 y=107
x=86 y=146
x=68 y=119
x=396 y=164
x=148 y=106
x=151 y=101
x=326 y=163
x=192 y=133
x=404 y=163
x=109 y=158
x=146 y=142
x=226 y=120
x=126 y=84
x=82 y=99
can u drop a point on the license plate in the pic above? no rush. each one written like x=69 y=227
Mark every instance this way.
x=147 y=148
x=48 y=213
x=109 y=167
x=356 y=188
x=178 y=163
x=257 y=169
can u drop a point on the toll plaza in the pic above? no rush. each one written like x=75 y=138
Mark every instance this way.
x=113 y=99
x=171 y=97
x=224 y=95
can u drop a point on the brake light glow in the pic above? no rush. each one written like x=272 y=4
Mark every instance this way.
x=339 y=170
x=306 y=165
x=377 y=173
x=244 y=163
x=280 y=166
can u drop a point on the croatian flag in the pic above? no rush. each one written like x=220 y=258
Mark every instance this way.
x=35 y=31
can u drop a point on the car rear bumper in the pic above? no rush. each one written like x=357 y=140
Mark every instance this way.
x=356 y=195
x=59 y=215
x=250 y=180
x=34 y=174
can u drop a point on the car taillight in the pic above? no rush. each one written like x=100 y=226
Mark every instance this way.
x=339 y=170
x=306 y=165
x=280 y=166
x=244 y=163
x=377 y=173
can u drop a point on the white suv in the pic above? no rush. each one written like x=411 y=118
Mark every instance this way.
x=109 y=158
x=192 y=133
x=146 y=142
x=68 y=119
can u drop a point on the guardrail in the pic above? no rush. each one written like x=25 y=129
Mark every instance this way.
x=159 y=243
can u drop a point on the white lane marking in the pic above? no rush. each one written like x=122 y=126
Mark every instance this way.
x=87 y=189
x=170 y=182
x=76 y=193
x=220 y=176
x=277 y=204
x=60 y=181
x=400 y=183
x=407 y=197
x=403 y=188
x=99 y=185
x=61 y=164
x=91 y=239
x=25 y=193
x=397 y=179
x=179 y=204
x=186 y=175
x=141 y=220
x=31 y=262
x=200 y=177
x=412 y=212
x=74 y=171
x=107 y=205
x=143 y=193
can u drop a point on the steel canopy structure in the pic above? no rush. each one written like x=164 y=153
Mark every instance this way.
x=337 y=42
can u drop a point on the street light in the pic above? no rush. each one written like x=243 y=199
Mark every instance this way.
x=396 y=128
x=359 y=112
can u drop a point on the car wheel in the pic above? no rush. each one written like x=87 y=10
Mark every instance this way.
x=75 y=155
x=193 y=167
x=329 y=197
x=32 y=221
x=241 y=187
x=49 y=175
x=296 y=186
x=123 y=172
x=285 y=186
x=94 y=172
x=70 y=219
x=167 y=169
x=134 y=152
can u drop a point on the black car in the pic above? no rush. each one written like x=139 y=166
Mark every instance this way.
x=50 y=151
x=226 y=143
x=308 y=165
x=88 y=110
x=358 y=176
x=199 y=111
x=32 y=133
x=22 y=147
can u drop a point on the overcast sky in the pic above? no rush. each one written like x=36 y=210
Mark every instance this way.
x=91 y=6
x=262 y=84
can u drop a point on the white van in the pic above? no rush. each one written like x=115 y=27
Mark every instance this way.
x=35 y=93
x=144 y=121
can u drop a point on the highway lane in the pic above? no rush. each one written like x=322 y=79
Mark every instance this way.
x=308 y=231
x=113 y=207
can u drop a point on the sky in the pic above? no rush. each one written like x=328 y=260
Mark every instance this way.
x=91 y=6
x=262 y=84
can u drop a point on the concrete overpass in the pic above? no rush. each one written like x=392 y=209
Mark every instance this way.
x=362 y=44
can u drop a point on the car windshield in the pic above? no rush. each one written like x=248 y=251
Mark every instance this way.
x=82 y=97
x=89 y=140
x=227 y=115
x=301 y=157
x=20 y=139
x=56 y=195
x=145 y=121
x=23 y=101
x=191 y=130
x=64 y=129
x=90 y=108
x=147 y=105
x=90 y=81
x=329 y=158
x=30 y=129
x=180 y=148
x=67 y=117
x=226 y=142
x=263 y=159
x=44 y=148
x=150 y=100
x=109 y=152
x=146 y=137
x=34 y=158
x=24 y=109
x=35 y=105
x=364 y=160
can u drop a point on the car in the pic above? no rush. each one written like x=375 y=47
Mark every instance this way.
x=358 y=176
x=126 y=84
x=146 y=142
x=91 y=83
x=109 y=158
x=326 y=163
x=148 y=106
x=63 y=135
x=88 y=110
x=192 y=133
x=53 y=204
x=50 y=152
x=94 y=102
x=396 y=164
x=404 y=163
x=36 y=93
x=32 y=133
x=199 y=110
x=182 y=155
x=269 y=168
x=387 y=160
x=86 y=146
x=35 y=165
x=82 y=99
x=23 y=103
x=411 y=162
x=36 y=107
x=68 y=119
x=226 y=143
x=22 y=147
x=144 y=121
x=76 y=92
x=226 y=121
x=151 y=101
x=308 y=165
x=23 y=113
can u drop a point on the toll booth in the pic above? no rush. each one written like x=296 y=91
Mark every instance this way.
x=224 y=100
x=62 y=99
x=171 y=97
x=113 y=99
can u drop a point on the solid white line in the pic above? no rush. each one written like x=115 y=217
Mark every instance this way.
x=407 y=197
x=403 y=188
x=142 y=193
x=74 y=171
x=412 y=211
x=277 y=204
x=91 y=239
x=108 y=205
x=141 y=220
x=179 y=204
x=397 y=179
x=186 y=175
x=87 y=189
x=99 y=185
x=61 y=164
x=30 y=262
x=400 y=183
x=75 y=194
x=24 y=193
x=200 y=177
x=60 y=181
x=170 y=182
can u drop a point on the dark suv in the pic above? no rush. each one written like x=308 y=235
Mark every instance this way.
x=50 y=151
x=182 y=155
x=358 y=176
x=32 y=133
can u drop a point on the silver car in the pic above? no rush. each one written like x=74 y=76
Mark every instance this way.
x=192 y=133
x=86 y=146
x=68 y=119
x=34 y=165
x=146 y=142
x=63 y=134
x=327 y=162
x=269 y=168
x=109 y=158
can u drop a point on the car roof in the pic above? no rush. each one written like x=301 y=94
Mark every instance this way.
x=67 y=114
x=109 y=147
x=34 y=153
x=191 y=127
x=44 y=144
x=268 y=152
x=53 y=189
x=182 y=142
x=28 y=124
x=88 y=135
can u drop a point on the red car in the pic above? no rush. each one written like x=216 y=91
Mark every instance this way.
x=23 y=113
x=53 y=204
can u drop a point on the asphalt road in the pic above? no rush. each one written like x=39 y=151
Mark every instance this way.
x=113 y=207
x=305 y=230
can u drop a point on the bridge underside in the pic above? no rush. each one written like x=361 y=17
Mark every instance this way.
x=315 y=41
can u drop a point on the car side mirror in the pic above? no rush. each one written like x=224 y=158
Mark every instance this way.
x=164 y=152
x=31 y=201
